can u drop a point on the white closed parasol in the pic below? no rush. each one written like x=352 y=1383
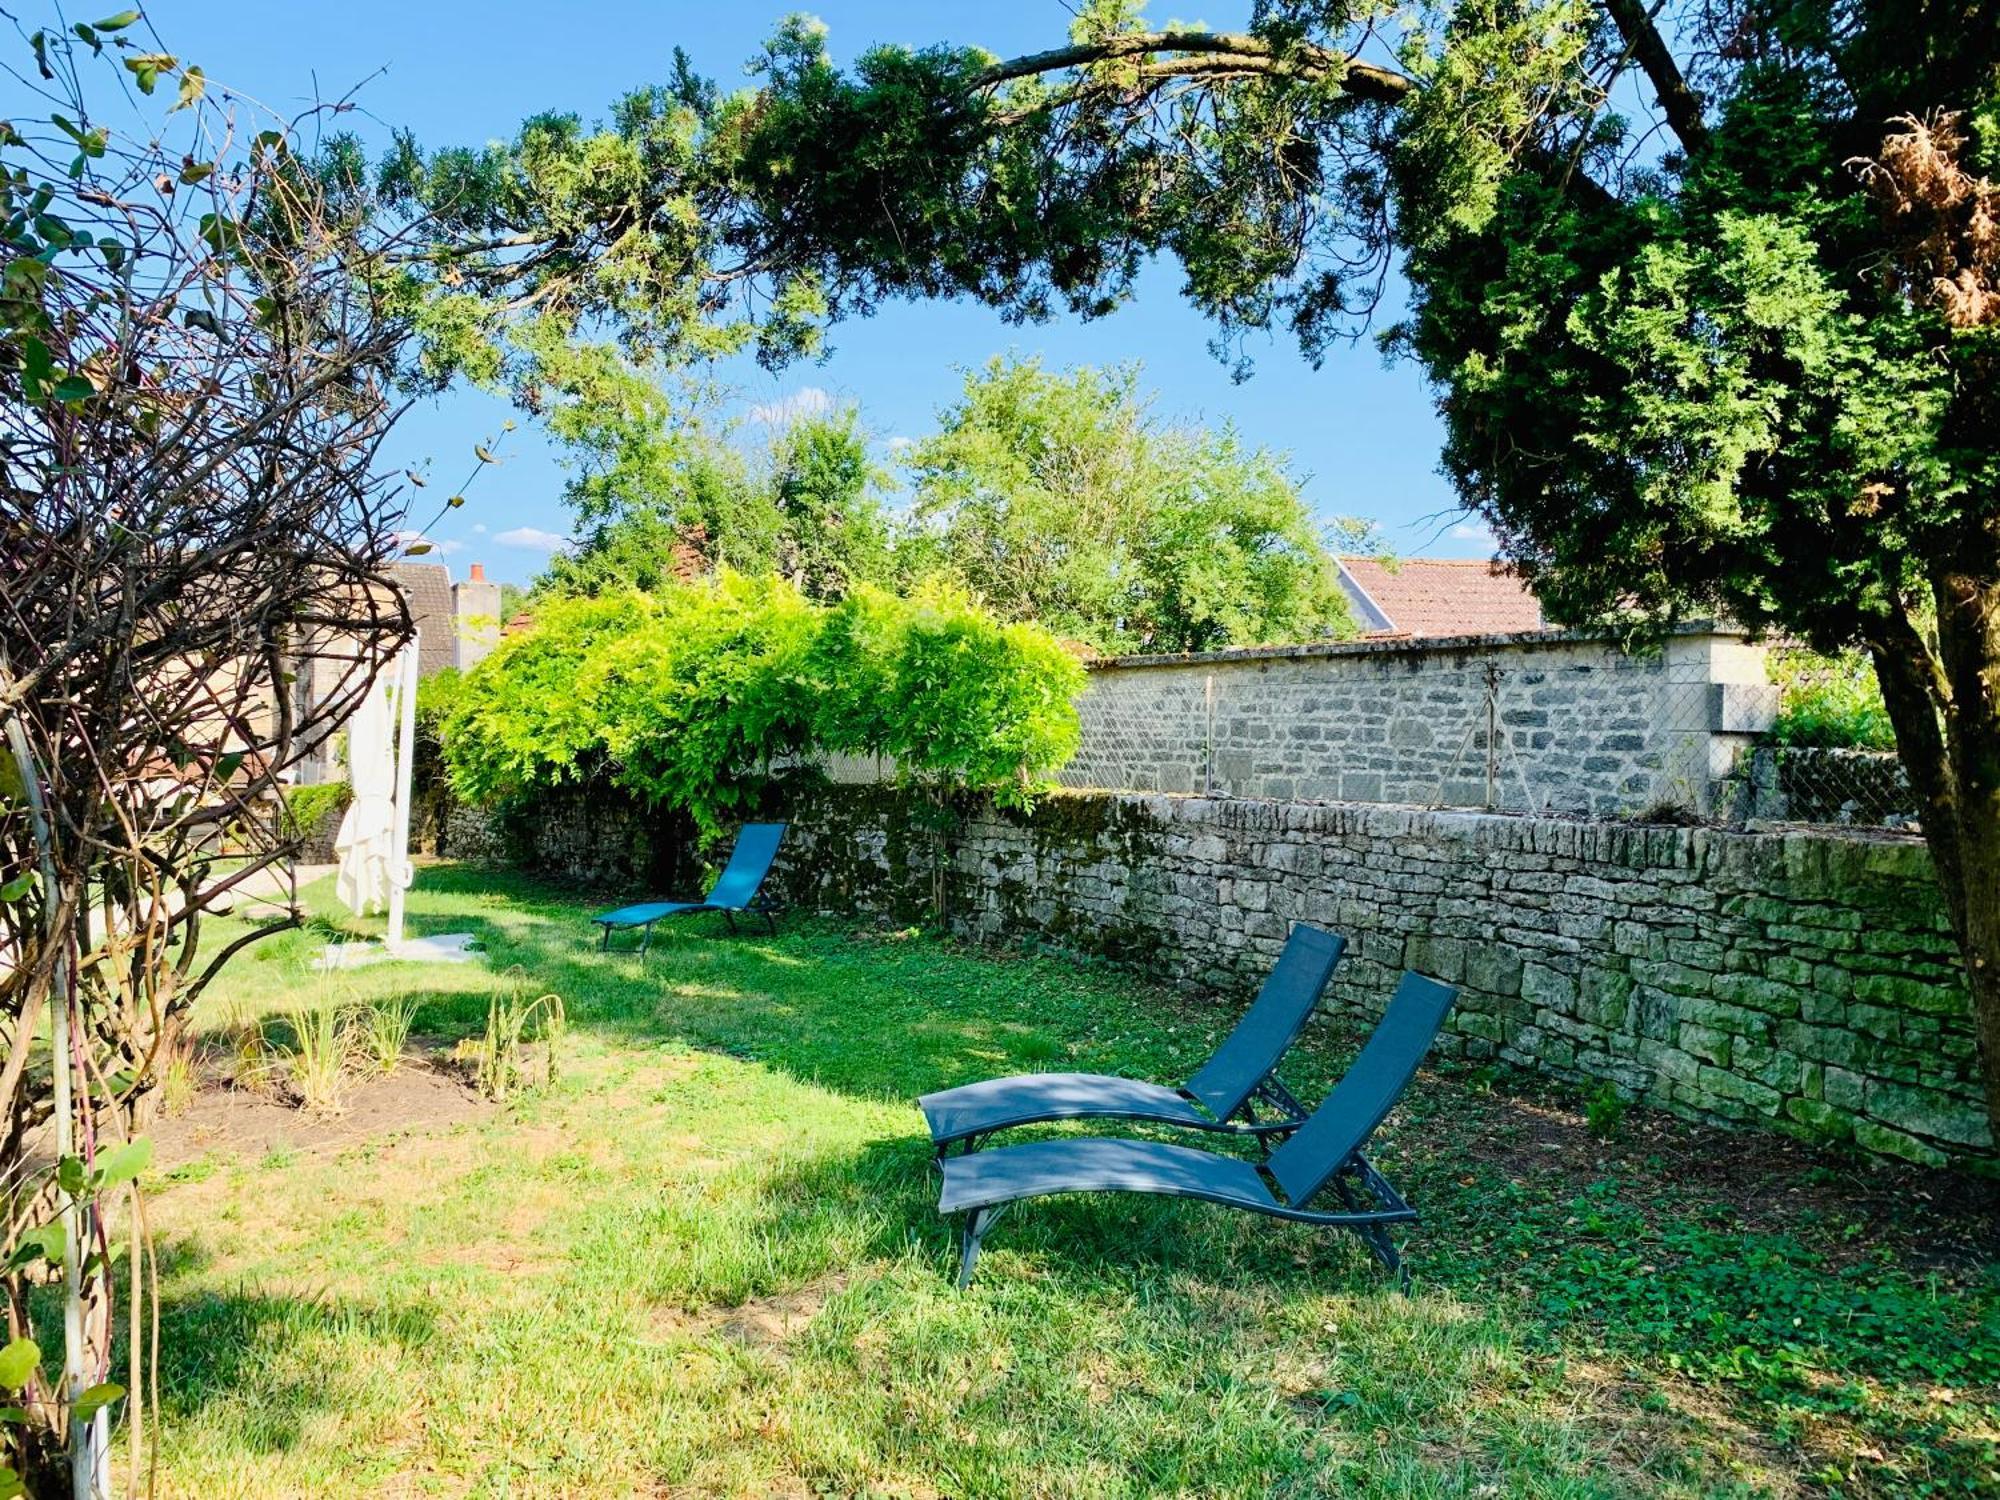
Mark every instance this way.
x=367 y=844
x=374 y=839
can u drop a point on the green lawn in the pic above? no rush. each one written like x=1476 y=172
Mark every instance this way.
x=707 y=1261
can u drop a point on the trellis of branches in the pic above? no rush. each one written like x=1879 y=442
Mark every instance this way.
x=197 y=345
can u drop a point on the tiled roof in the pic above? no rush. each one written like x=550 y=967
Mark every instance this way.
x=427 y=587
x=1427 y=596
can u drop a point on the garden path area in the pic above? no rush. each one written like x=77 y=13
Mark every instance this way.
x=706 y=1260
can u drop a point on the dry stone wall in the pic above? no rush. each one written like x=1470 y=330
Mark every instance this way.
x=1803 y=982
x=1549 y=721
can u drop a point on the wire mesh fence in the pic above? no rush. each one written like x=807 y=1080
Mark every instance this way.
x=1830 y=755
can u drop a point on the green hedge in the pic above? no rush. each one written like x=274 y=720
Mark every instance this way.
x=308 y=808
x=687 y=698
x=1829 y=702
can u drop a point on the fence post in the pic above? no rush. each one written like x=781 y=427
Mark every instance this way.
x=1208 y=735
x=1492 y=733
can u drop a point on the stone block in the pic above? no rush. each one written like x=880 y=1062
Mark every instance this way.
x=1547 y=987
x=1719 y=1083
x=1822 y=1121
x=1926 y=1112
x=1493 y=968
x=1478 y=1023
x=1883 y=1141
x=1845 y=1090
x=1710 y=1046
x=1925 y=996
x=1768 y=995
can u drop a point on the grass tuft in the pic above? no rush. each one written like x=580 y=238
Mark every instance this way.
x=384 y=1032
x=313 y=1056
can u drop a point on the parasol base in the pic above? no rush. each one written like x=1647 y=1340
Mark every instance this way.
x=439 y=948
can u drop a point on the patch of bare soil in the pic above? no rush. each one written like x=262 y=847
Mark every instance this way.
x=762 y=1322
x=1941 y=1220
x=422 y=1094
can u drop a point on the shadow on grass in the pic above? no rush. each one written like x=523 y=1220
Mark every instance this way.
x=263 y=1364
x=854 y=1010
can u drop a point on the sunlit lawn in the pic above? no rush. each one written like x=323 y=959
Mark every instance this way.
x=707 y=1261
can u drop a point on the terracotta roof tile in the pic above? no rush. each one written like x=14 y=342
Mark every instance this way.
x=1428 y=596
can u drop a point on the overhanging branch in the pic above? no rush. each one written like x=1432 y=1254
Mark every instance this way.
x=1681 y=104
x=1246 y=54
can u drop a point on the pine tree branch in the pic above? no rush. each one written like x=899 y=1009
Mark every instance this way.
x=1681 y=104
x=1245 y=54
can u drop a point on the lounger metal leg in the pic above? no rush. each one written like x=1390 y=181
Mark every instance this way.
x=976 y=1225
x=605 y=946
x=730 y=918
x=1375 y=1237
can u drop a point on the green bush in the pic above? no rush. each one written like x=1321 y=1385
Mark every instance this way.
x=518 y=721
x=696 y=704
x=688 y=697
x=1829 y=702
x=307 y=807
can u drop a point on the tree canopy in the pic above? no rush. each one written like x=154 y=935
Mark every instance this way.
x=1060 y=497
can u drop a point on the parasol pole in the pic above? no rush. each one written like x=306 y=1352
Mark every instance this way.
x=400 y=873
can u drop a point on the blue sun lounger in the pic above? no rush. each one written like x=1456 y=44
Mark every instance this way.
x=1223 y=1096
x=1323 y=1155
x=736 y=890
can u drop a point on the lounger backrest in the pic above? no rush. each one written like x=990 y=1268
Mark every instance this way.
x=1372 y=1085
x=749 y=863
x=1273 y=1022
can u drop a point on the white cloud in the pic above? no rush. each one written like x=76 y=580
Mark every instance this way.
x=479 y=528
x=532 y=539
x=898 y=443
x=1473 y=532
x=806 y=401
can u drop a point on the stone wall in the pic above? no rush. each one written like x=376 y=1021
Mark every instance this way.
x=1802 y=982
x=1545 y=721
x=595 y=837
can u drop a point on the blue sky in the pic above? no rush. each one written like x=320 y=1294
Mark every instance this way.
x=1364 y=436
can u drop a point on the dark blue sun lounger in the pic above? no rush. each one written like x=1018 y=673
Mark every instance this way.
x=1242 y=1073
x=1323 y=1154
x=736 y=889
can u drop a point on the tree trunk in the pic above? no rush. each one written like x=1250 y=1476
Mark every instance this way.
x=1968 y=607
x=1945 y=707
x=1979 y=941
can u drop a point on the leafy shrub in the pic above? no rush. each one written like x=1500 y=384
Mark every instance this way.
x=976 y=703
x=519 y=721
x=1604 y=1111
x=1829 y=702
x=307 y=807
x=696 y=705
x=688 y=698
